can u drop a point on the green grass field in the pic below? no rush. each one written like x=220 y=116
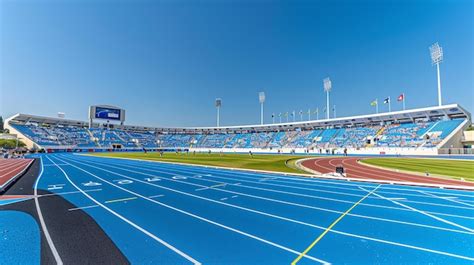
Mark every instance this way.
x=277 y=163
x=444 y=167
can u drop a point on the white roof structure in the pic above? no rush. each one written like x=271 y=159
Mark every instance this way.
x=450 y=111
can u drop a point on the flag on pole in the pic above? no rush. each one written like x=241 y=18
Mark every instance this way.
x=386 y=101
x=273 y=115
x=401 y=97
x=286 y=114
x=279 y=115
x=373 y=103
x=324 y=110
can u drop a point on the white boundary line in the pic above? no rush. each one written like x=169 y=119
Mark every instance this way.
x=195 y=216
x=266 y=214
x=51 y=245
x=179 y=252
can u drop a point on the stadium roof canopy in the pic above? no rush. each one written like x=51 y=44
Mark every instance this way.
x=450 y=111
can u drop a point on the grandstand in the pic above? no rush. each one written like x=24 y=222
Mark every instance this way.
x=416 y=131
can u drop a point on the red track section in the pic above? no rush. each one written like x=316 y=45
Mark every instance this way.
x=356 y=170
x=10 y=168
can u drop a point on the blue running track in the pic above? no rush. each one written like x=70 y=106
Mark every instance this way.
x=159 y=213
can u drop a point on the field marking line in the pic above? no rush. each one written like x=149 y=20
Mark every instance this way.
x=146 y=232
x=294 y=187
x=331 y=226
x=274 y=216
x=193 y=215
x=293 y=177
x=447 y=199
x=50 y=242
x=264 y=189
x=121 y=200
x=425 y=213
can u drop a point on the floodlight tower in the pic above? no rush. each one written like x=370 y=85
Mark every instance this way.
x=218 y=106
x=327 y=88
x=261 y=99
x=436 y=58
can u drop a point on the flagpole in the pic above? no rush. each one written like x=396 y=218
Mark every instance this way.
x=389 y=104
x=403 y=101
x=317 y=113
x=376 y=106
x=309 y=114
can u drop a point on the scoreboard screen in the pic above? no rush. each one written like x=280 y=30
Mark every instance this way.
x=107 y=113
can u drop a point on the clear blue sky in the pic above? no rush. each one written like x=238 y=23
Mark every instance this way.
x=166 y=61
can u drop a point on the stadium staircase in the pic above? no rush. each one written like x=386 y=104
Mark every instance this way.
x=379 y=132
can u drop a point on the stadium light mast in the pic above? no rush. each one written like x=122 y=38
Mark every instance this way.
x=261 y=99
x=218 y=106
x=437 y=57
x=327 y=88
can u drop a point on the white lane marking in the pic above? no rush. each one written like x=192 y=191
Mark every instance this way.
x=194 y=215
x=66 y=193
x=451 y=199
x=292 y=179
x=276 y=191
x=309 y=189
x=82 y=208
x=90 y=183
x=305 y=206
x=121 y=200
x=51 y=245
x=156 y=196
x=280 y=191
x=272 y=215
x=235 y=196
x=182 y=254
x=56 y=186
x=223 y=199
x=397 y=199
x=211 y=187
x=425 y=213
